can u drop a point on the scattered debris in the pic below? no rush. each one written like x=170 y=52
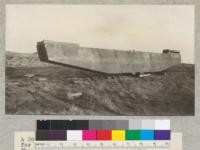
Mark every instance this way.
x=31 y=90
x=144 y=75
x=29 y=75
x=81 y=82
x=74 y=95
x=137 y=74
x=16 y=83
x=78 y=81
x=42 y=79
x=140 y=75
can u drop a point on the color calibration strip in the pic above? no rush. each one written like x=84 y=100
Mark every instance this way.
x=26 y=141
x=115 y=130
x=114 y=135
x=103 y=124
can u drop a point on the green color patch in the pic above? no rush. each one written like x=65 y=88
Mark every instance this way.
x=132 y=134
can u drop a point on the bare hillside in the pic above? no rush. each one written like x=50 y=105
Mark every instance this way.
x=34 y=87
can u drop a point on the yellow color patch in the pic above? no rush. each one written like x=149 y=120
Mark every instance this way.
x=118 y=135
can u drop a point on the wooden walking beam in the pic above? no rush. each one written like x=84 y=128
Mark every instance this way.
x=106 y=60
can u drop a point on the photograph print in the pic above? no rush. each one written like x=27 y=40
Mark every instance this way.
x=130 y=60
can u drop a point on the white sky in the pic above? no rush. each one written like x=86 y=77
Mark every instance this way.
x=141 y=27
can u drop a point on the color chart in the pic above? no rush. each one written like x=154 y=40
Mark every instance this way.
x=26 y=141
x=99 y=134
x=114 y=130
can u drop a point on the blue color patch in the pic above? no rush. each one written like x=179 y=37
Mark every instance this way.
x=147 y=134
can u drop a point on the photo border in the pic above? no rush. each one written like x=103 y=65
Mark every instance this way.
x=188 y=125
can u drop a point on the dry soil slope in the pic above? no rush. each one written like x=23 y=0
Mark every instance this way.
x=34 y=87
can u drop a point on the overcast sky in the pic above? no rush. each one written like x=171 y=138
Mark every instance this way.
x=141 y=27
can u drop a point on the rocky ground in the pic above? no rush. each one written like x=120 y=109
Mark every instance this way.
x=34 y=87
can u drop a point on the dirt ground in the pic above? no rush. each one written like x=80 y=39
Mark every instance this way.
x=33 y=87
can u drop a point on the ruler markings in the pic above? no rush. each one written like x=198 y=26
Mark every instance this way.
x=26 y=141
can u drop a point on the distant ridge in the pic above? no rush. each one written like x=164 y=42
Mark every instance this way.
x=14 y=59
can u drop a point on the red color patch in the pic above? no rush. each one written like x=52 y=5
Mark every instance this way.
x=103 y=135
